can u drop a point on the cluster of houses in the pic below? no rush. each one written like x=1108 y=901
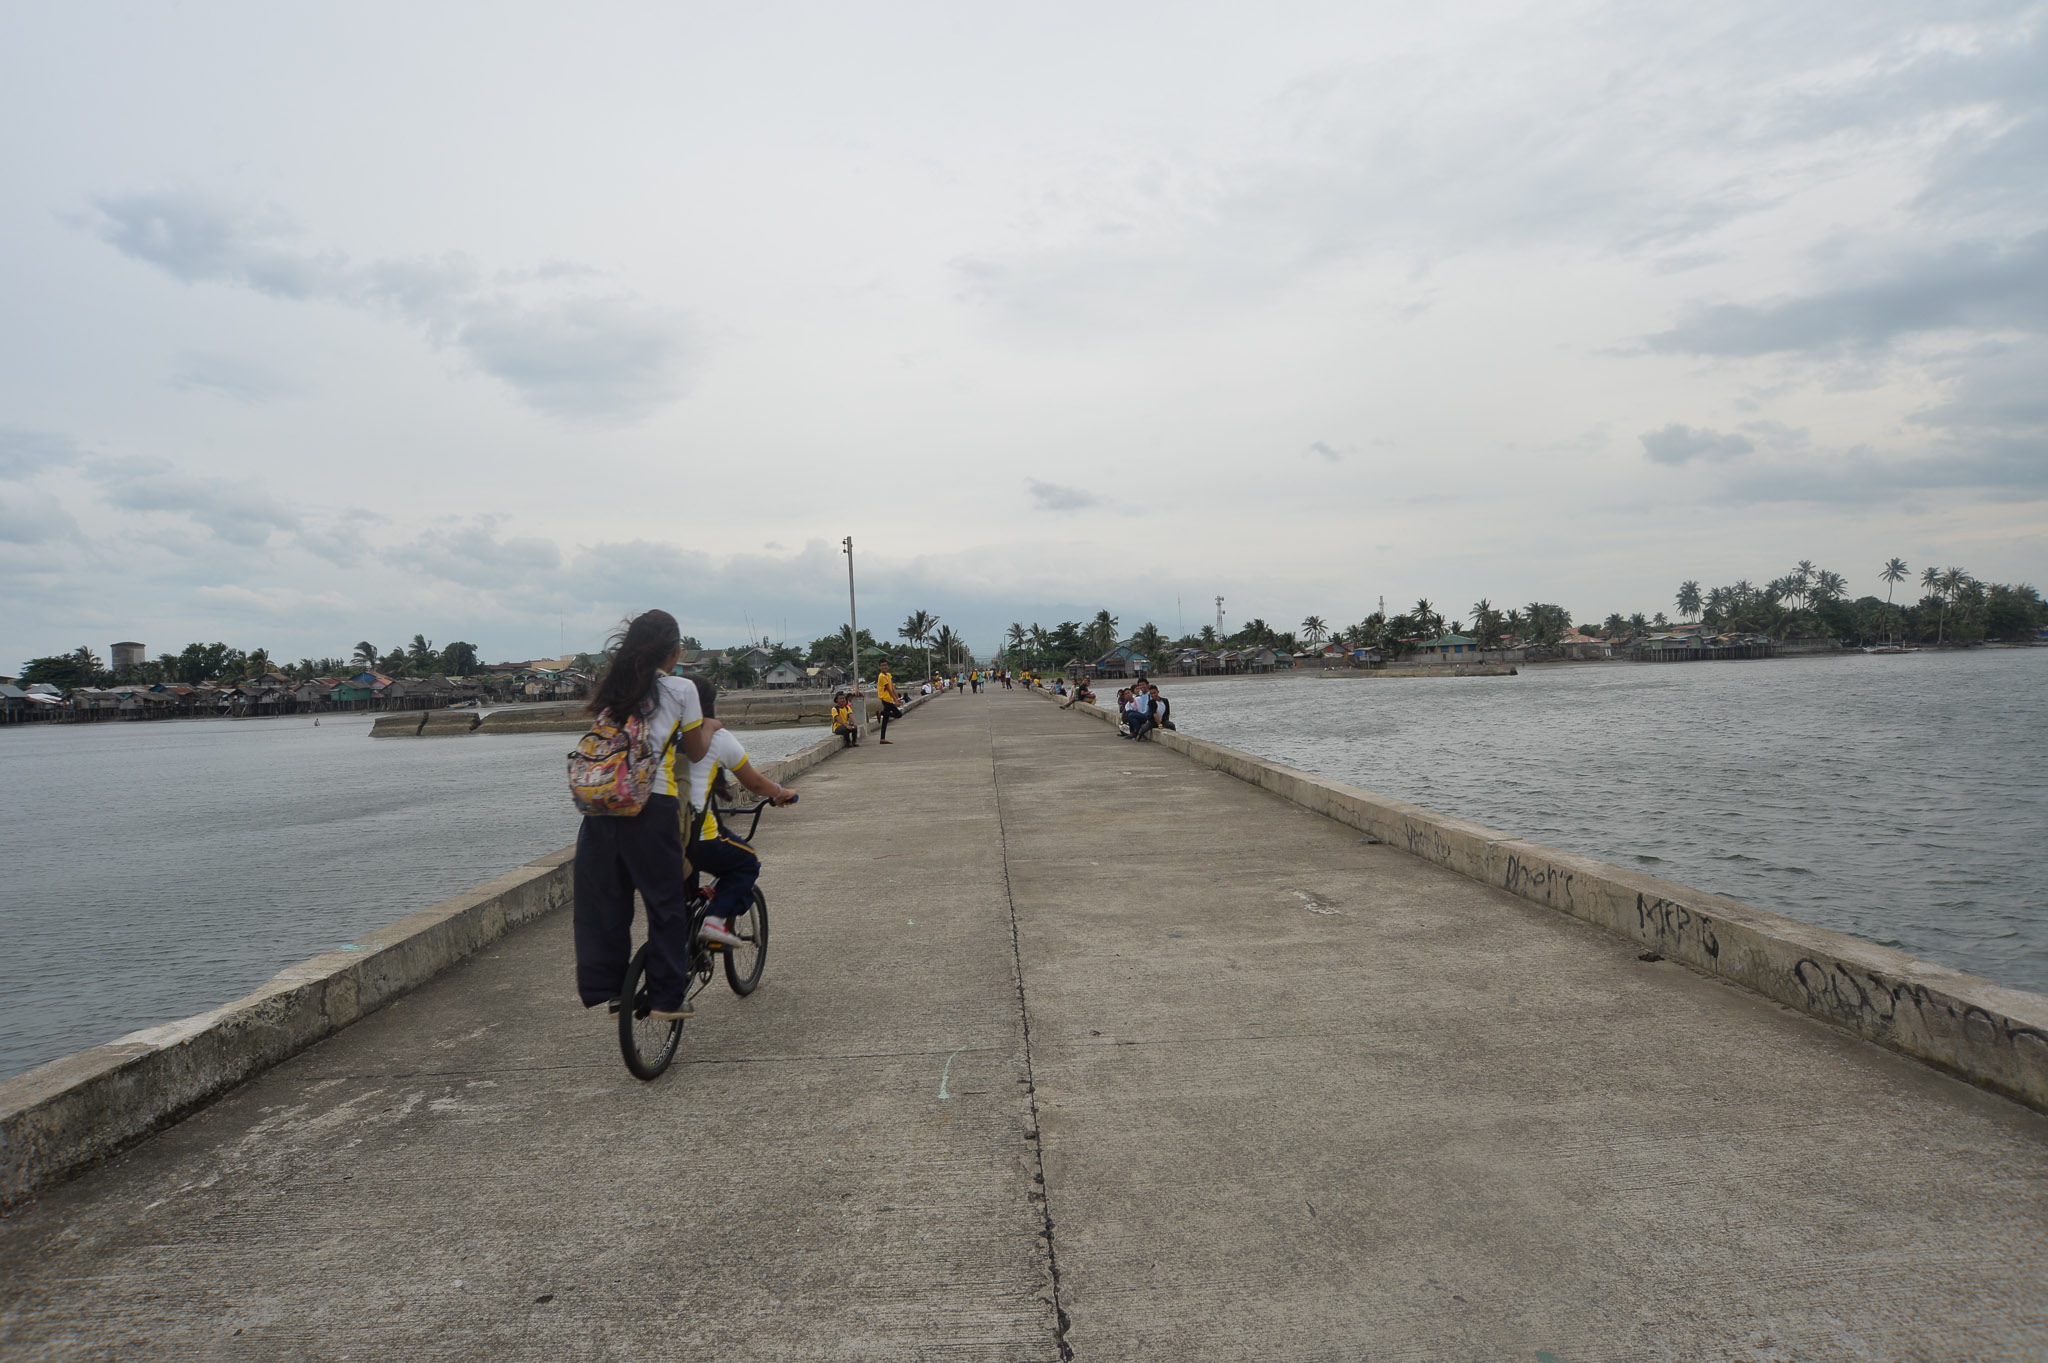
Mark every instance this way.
x=775 y=676
x=276 y=694
x=1693 y=643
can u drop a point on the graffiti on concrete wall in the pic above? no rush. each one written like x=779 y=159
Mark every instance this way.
x=1872 y=1002
x=1675 y=925
x=1538 y=879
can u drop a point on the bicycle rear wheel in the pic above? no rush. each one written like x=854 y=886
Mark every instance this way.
x=743 y=964
x=647 y=1043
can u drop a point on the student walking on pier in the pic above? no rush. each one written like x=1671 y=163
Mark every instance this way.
x=885 y=692
x=622 y=849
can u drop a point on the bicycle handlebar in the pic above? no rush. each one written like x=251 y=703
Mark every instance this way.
x=755 y=810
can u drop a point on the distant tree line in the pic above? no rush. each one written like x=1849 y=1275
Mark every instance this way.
x=1813 y=603
x=1034 y=645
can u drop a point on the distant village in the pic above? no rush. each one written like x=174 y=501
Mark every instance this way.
x=1807 y=610
x=272 y=692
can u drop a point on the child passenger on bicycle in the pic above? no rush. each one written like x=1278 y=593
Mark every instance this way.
x=616 y=856
x=711 y=849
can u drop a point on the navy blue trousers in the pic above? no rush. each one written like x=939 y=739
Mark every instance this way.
x=615 y=857
x=736 y=867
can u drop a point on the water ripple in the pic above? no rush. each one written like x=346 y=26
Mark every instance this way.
x=211 y=853
x=1900 y=799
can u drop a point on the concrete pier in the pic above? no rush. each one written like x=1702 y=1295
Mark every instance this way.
x=1073 y=1046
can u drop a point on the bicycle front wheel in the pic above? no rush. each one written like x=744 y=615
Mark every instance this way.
x=743 y=964
x=648 y=1043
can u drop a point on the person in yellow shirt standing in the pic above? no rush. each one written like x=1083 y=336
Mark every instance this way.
x=885 y=692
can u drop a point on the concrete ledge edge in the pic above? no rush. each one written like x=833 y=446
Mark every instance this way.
x=1972 y=1027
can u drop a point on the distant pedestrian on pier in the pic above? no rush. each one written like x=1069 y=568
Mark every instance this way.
x=885 y=692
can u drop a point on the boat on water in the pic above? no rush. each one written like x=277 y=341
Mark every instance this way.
x=1889 y=648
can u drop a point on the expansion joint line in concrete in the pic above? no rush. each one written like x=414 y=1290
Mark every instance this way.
x=1052 y=1256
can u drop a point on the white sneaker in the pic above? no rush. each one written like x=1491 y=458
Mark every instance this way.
x=715 y=930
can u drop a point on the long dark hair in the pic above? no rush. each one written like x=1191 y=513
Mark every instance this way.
x=637 y=651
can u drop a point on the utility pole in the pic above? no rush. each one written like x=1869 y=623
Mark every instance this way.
x=852 y=620
x=1219 y=617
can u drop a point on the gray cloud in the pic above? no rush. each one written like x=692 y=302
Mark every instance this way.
x=1526 y=137
x=1999 y=388
x=1325 y=450
x=1975 y=285
x=2015 y=468
x=239 y=379
x=31 y=516
x=473 y=555
x=25 y=453
x=565 y=350
x=242 y=513
x=194 y=239
x=1056 y=497
x=1677 y=444
x=597 y=358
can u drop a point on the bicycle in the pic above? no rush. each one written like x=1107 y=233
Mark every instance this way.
x=649 y=1043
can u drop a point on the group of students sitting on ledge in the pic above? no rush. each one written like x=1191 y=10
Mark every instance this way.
x=1141 y=707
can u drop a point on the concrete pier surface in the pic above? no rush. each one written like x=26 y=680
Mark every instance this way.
x=1070 y=1044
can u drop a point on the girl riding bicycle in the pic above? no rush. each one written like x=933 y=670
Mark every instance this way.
x=616 y=856
x=711 y=849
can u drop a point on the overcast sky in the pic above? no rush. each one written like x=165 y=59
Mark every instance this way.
x=496 y=322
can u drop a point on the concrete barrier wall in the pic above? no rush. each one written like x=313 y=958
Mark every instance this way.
x=63 y=1116
x=740 y=709
x=1970 y=1026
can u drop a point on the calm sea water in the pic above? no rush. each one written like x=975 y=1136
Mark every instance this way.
x=1902 y=799
x=151 y=871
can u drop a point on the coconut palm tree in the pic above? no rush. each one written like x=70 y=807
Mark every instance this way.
x=1689 y=600
x=1101 y=632
x=1950 y=585
x=1314 y=629
x=1426 y=618
x=87 y=665
x=917 y=630
x=948 y=646
x=1893 y=573
x=1017 y=637
x=365 y=654
x=1041 y=641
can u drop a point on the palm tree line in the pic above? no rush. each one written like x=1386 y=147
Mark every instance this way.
x=1811 y=602
x=1035 y=645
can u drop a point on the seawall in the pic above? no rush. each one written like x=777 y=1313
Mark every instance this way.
x=63 y=1116
x=1972 y=1027
x=740 y=710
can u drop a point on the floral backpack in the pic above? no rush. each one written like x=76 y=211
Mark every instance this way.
x=612 y=770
